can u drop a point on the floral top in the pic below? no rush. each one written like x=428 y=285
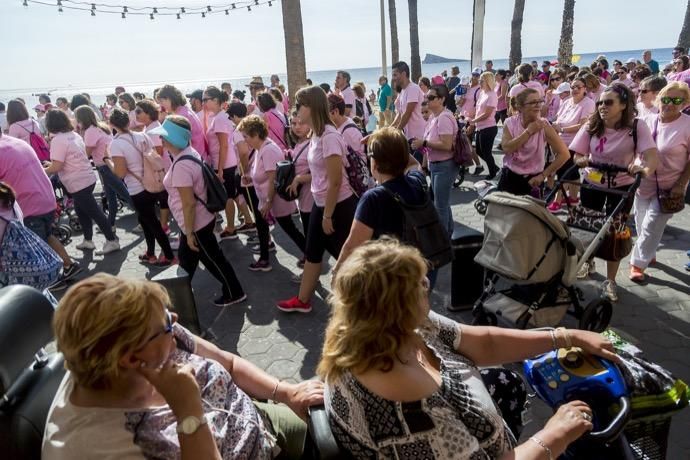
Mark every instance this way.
x=458 y=421
x=110 y=433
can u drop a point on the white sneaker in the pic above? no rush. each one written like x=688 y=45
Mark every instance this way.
x=174 y=243
x=609 y=289
x=108 y=247
x=86 y=245
x=138 y=229
x=587 y=269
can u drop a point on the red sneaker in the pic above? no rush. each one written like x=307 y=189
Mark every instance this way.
x=574 y=200
x=555 y=206
x=636 y=274
x=294 y=305
x=165 y=262
x=150 y=259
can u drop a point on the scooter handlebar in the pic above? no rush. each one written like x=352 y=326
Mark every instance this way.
x=614 y=429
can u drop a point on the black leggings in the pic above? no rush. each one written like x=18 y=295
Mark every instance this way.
x=289 y=227
x=88 y=211
x=514 y=183
x=211 y=255
x=262 y=229
x=145 y=205
x=485 y=146
x=318 y=241
x=304 y=216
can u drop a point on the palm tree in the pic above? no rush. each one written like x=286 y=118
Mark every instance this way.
x=415 y=60
x=684 y=37
x=516 y=35
x=294 y=46
x=565 y=48
x=395 y=47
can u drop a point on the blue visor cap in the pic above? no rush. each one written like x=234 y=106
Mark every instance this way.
x=174 y=134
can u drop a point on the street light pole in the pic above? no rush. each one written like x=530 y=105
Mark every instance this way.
x=478 y=32
x=384 y=65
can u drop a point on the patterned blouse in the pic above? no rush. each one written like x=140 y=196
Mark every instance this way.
x=458 y=421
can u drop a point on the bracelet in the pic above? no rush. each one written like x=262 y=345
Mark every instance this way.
x=566 y=337
x=553 y=339
x=325 y=217
x=541 y=444
x=275 y=390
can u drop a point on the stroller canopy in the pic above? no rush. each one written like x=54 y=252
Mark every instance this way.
x=523 y=241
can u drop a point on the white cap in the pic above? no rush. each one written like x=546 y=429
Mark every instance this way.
x=631 y=61
x=562 y=88
x=477 y=71
x=465 y=80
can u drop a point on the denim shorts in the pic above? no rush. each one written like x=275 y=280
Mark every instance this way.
x=41 y=225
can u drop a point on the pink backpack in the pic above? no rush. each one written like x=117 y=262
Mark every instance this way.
x=154 y=167
x=39 y=145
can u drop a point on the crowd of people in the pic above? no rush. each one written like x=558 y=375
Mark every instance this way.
x=154 y=154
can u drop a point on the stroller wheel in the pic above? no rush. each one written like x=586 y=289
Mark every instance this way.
x=74 y=224
x=480 y=206
x=596 y=315
x=63 y=233
x=485 y=319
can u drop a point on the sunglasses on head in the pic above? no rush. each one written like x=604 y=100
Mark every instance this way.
x=606 y=102
x=672 y=100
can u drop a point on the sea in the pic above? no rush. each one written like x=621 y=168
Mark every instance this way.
x=369 y=76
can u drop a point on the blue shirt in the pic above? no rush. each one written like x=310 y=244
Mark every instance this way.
x=653 y=65
x=384 y=93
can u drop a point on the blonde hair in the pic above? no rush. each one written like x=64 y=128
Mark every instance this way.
x=315 y=98
x=375 y=307
x=100 y=319
x=489 y=79
x=677 y=86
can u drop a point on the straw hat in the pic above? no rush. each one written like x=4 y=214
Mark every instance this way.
x=257 y=82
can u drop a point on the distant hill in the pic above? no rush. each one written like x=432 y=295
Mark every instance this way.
x=433 y=59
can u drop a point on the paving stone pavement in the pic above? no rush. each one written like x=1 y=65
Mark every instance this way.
x=655 y=315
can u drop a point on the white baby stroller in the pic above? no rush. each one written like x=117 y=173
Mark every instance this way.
x=537 y=253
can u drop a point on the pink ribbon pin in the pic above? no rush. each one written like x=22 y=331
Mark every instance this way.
x=600 y=147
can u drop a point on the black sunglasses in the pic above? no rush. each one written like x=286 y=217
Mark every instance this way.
x=606 y=102
x=166 y=330
x=431 y=97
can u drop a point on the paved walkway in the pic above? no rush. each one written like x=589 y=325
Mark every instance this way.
x=656 y=315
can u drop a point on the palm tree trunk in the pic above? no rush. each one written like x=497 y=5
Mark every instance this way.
x=516 y=35
x=684 y=37
x=294 y=46
x=415 y=60
x=395 y=46
x=565 y=48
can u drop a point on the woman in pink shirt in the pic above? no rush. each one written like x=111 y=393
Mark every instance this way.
x=173 y=101
x=301 y=185
x=68 y=159
x=263 y=173
x=20 y=124
x=345 y=125
x=649 y=90
x=594 y=86
x=334 y=201
x=186 y=188
x=502 y=94
x=484 y=122
x=524 y=75
x=552 y=101
x=671 y=131
x=97 y=138
x=275 y=121
x=525 y=135
x=607 y=139
x=128 y=104
x=438 y=142
x=222 y=152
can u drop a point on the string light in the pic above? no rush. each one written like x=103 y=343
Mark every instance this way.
x=249 y=8
x=203 y=14
x=152 y=16
x=25 y=4
x=227 y=12
x=155 y=10
x=182 y=10
x=178 y=15
x=209 y=9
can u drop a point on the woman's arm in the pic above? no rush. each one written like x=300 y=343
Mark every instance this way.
x=189 y=213
x=89 y=151
x=54 y=167
x=650 y=159
x=681 y=184
x=334 y=176
x=558 y=147
x=483 y=116
x=223 y=141
x=243 y=156
x=511 y=144
x=359 y=234
x=445 y=144
x=413 y=164
x=119 y=167
x=271 y=193
x=572 y=128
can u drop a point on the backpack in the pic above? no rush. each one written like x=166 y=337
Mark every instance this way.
x=360 y=111
x=216 y=196
x=422 y=229
x=286 y=131
x=285 y=174
x=154 y=168
x=26 y=259
x=39 y=144
x=357 y=170
x=462 y=148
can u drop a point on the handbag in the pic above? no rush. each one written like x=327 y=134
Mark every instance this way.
x=667 y=202
x=617 y=243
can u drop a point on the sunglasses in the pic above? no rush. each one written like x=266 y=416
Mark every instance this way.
x=556 y=79
x=138 y=110
x=606 y=102
x=672 y=100
x=166 y=330
x=621 y=73
x=576 y=86
x=432 y=97
x=539 y=102
x=645 y=91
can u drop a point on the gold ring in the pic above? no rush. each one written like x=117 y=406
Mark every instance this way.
x=586 y=416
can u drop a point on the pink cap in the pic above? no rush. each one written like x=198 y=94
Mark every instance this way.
x=438 y=80
x=40 y=107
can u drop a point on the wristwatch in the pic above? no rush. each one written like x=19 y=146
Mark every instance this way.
x=190 y=424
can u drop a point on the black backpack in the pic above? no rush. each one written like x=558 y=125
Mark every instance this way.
x=285 y=174
x=216 y=196
x=422 y=229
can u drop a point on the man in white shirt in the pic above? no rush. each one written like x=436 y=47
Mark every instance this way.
x=408 y=104
x=342 y=89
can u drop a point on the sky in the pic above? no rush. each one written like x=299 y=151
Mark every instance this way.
x=43 y=48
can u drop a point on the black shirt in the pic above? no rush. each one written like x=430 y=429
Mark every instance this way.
x=378 y=210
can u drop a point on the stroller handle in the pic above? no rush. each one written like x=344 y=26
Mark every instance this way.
x=616 y=426
x=607 y=168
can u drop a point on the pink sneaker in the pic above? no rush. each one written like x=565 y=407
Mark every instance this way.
x=636 y=274
x=555 y=206
x=294 y=305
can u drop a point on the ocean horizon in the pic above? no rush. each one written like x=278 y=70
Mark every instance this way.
x=368 y=75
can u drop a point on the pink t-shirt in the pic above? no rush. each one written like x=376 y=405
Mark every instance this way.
x=352 y=136
x=329 y=143
x=470 y=102
x=157 y=142
x=438 y=126
x=643 y=111
x=680 y=76
x=486 y=100
x=20 y=168
x=627 y=82
x=414 y=129
x=23 y=129
x=552 y=108
x=133 y=123
x=198 y=135
x=530 y=157
x=187 y=173
x=614 y=147
x=220 y=123
x=99 y=141
x=502 y=103
x=520 y=87
x=349 y=97
x=267 y=157
x=594 y=95
x=131 y=146
x=76 y=173
x=570 y=113
x=305 y=198
x=673 y=142
x=276 y=127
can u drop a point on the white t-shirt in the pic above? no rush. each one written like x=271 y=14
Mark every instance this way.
x=349 y=97
x=414 y=129
x=131 y=146
x=3 y=122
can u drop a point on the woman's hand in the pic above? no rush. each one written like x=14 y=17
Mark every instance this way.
x=327 y=225
x=537 y=180
x=634 y=169
x=191 y=242
x=265 y=209
x=581 y=161
x=219 y=173
x=536 y=126
x=246 y=180
x=594 y=344
x=570 y=421
x=177 y=385
x=417 y=144
x=300 y=396
x=293 y=188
